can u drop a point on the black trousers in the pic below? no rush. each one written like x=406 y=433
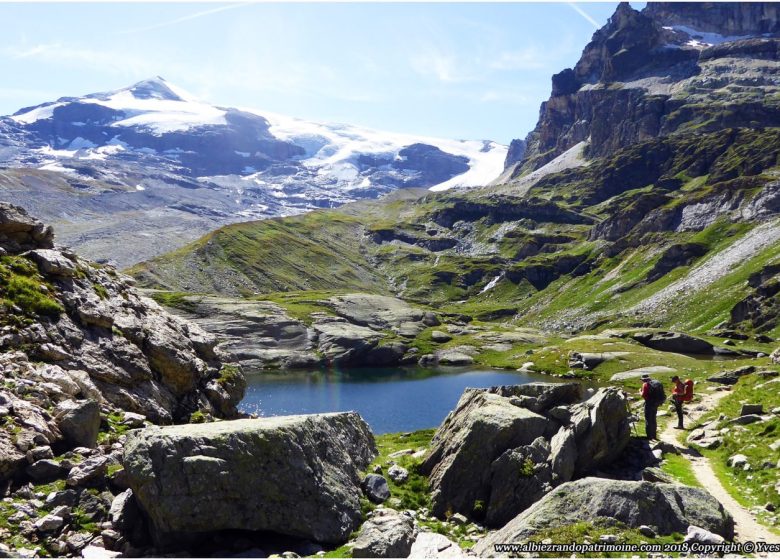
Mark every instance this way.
x=678 y=409
x=651 y=426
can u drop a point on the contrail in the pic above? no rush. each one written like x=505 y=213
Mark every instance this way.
x=584 y=14
x=185 y=18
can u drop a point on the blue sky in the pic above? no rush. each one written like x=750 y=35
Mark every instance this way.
x=476 y=71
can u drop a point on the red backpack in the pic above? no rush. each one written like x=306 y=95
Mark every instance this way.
x=687 y=396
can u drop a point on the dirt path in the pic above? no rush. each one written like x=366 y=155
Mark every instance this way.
x=746 y=528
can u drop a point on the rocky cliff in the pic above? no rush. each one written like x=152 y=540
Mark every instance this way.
x=671 y=68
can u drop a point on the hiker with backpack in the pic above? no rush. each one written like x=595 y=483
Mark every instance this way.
x=654 y=396
x=681 y=392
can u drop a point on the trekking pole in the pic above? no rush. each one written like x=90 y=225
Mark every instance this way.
x=634 y=429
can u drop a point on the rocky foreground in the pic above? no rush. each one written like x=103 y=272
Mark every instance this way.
x=120 y=437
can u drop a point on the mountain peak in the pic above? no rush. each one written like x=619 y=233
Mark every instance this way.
x=156 y=88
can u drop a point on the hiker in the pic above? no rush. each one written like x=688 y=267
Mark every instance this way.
x=681 y=392
x=654 y=396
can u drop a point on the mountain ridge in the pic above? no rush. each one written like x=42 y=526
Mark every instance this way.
x=150 y=155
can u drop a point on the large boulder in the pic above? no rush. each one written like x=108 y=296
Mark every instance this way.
x=11 y=459
x=20 y=232
x=601 y=429
x=79 y=422
x=293 y=475
x=680 y=343
x=388 y=534
x=667 y=508
x=519 y=478
x=482 y=427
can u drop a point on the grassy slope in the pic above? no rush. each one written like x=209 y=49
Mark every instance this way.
x=756 y=487
x=350 y=249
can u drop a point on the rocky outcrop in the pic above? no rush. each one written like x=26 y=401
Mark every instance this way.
x=680 y=343
x=350 y=329
x=654 y=73
x=666 y=508
x=503 y=448
x=480 y=429
x=100 y=336
x=293 y=475
x=21 y=232
x=726 y=18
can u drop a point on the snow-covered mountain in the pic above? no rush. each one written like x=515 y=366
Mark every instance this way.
x=151 y=155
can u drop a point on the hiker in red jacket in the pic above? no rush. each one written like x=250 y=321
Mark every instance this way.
x=681 y=392
x=653 y=394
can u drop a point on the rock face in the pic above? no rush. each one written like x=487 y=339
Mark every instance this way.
x=503 y=448
x=293 y=475
x=652 y=73
x=20 y=232
x=100 y=339
x=666 y=508
x=351 y=330
x=388 y=534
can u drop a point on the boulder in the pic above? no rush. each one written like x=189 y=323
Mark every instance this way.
x=519 y=477
x=481 y=428
x=666 y=508
x=388 y=534
x=440 y=337
x=434 y=545
x=585 y=360
x=79 y=422
x=698 y=535
x=11 y=459
x=639 y=372
x=375 y=488
x=90 y=472
x=49 y=523
x=45 y=470
x=563 y=455
x=20 y=232
x=601 y=429
x=452 y=357
x=751 y=409
x=293 y=475
x=124 y=512
x=398 y=474
x=541 y=397
x=680 y=343
x=53 y=263
x=775 y=356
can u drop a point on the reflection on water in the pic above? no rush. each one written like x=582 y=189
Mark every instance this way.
x=389 y=399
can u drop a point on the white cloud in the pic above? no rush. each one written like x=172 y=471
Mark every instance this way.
x=507 y=96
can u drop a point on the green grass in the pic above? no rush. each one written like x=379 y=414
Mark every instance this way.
x=413 y=493
x=679 y=467
x=756 y=487
x=176 y=300
x=588 y=531
x=22 y=286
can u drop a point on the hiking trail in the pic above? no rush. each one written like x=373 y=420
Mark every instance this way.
x=746 y=528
